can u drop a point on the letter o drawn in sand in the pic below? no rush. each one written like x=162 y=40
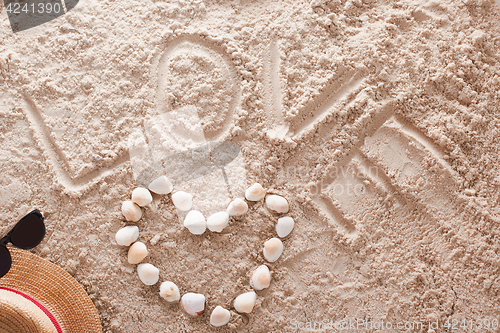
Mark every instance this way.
x=194 y=72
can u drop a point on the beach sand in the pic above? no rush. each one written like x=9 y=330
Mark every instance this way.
x=377 y=120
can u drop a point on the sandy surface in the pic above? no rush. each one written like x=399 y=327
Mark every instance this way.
x=378 y=120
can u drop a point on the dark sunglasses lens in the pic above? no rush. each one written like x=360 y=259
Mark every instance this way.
x=5 y=260
x=28 y=232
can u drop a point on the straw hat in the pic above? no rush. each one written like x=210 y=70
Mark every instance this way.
x=37 y=296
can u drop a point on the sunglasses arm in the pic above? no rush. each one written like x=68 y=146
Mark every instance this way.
x=5 y=240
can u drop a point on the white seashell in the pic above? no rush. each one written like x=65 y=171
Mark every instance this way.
x=195 y=222
x=148 y=274
x=218 y=221
x=284 y=226
x=182 y=200
x=127 y=235
x=277 y=203
x=273 y=249
x=161 y=185
x=261 y=278
x=131 y=211
x=220 y=316
x=169 y=291
x=245 y=302
x=141 y=196
x=255 y=192
x=137 y=252
x=237 y=207
x=193 y=304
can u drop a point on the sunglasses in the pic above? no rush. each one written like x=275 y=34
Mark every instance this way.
x=26 y=234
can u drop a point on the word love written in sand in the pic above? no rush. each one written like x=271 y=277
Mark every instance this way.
x=194 y=303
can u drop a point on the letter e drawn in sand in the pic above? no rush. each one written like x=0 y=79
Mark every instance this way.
x=386 y=158
x=390 y=162
x=403 y=153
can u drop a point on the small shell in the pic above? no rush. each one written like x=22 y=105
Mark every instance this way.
x=220 y=316
x=148 y=274
x=237 y=207
x=193 y=304
x=273 y=249
x=137 y=252
x=131 y=211
x=284 y=226
x=218 y=221
x=169 y=291
x=261 y=278
x=182 y=200
x=244 y=303
x=255 y=192
x=195 y=222
x=161 y=185
x=127 y=235
x=277 y=203
x=142 y=196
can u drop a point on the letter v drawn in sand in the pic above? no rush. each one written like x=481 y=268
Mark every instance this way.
x=342 y=92
x=384 y=157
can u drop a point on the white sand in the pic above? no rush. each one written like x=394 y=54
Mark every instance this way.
x=377 y=120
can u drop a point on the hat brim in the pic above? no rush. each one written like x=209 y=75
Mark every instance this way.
x=55 y=289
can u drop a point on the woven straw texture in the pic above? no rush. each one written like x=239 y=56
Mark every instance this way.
x=17 y=314
x=54 y=288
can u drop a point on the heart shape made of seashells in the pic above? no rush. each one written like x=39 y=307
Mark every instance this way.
x=195 y=222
